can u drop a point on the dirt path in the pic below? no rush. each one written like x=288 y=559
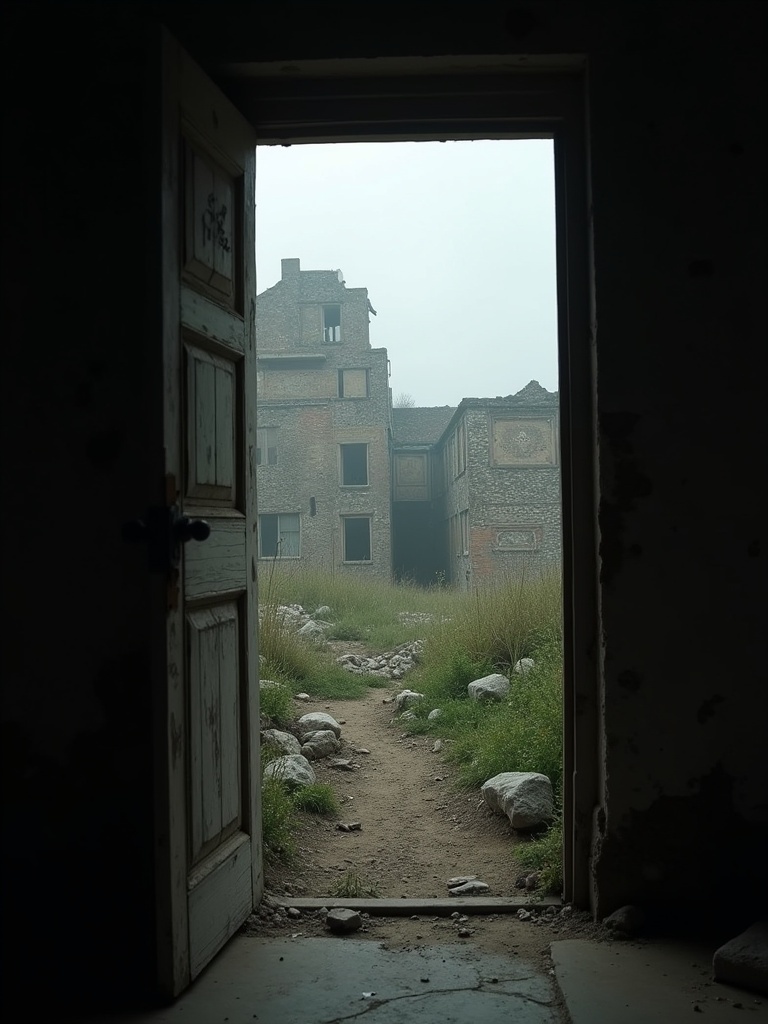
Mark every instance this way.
x=417 y=829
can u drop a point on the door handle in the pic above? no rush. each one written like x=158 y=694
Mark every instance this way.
x=164 y=529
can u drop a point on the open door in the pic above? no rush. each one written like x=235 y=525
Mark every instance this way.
x=208 y=834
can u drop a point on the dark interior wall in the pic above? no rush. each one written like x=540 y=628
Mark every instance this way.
x=80 y=219
x=418 y=542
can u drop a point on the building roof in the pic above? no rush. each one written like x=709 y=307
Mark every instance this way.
x=420 y=425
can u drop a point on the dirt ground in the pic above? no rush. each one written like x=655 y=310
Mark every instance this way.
x=417 y=831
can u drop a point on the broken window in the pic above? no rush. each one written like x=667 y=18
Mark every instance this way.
x=354 y=465
x=331 y=324
x=266 y=446
x=357 y=538
x=353 y=383
x=279 y=535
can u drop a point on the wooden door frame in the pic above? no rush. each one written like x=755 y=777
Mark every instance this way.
x=387 y=99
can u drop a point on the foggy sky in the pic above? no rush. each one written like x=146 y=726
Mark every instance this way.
x=454 y=241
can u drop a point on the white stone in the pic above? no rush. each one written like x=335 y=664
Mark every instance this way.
x=473 y=888
x=313 y=630
x=303 y=697
x=523 y=666
x=322 y=612
x=269 y=684
x=284 y=741
x=320 y=744
x=525 y=798
x=492 y=687
x=743 y=961
x=292 y=769
x=316 y=721
x=435 y=713
x=406 y=698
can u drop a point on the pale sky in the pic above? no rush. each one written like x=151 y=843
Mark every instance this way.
x=454 y=241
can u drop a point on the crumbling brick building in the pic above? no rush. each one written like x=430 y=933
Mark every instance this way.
x=347 y=483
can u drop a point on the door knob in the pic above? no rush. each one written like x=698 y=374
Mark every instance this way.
x=164 y=529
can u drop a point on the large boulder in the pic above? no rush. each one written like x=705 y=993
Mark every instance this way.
x=292 y=769
x=316 y=721
x=284 y=741
x=407 y=698
x=492 y=687
x=525 y=797
x=313 y=630
x=320 y=744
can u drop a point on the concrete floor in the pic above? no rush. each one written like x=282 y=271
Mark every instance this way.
x=324 y=981
x=330 y=980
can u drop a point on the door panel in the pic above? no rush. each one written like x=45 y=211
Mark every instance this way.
x=209 y=816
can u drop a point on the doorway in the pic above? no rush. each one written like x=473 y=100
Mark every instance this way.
x=486 y=102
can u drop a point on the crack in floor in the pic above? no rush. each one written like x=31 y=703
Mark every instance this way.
x=481 y=986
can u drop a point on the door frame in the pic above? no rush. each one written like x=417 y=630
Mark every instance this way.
x=436 y=98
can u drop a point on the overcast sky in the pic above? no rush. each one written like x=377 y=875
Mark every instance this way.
x=454 y=241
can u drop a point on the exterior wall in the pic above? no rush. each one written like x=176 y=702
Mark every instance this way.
x=298 y=395
x=509 y=488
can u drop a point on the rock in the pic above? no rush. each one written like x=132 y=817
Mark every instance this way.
x=284 y=741
x=523 y=666
x=406 y=698
x=464 y=933
x=437 y=746
x=342 y=764
x=322 y=612
x=292 y=769
x=532 y=881
x=304 y=697
x=320 y=744
x=293 y=912
x=317 y=721
x=493 y=687
x=269 y=684
x=460 y=880
x=626 y=921
x=313 y=630
x=474 y=888
x=352 y=826
x=743 y=961
x=525 y=798
x=523 y=915
x=435 y=713
x=342 y=921
x=408 y=716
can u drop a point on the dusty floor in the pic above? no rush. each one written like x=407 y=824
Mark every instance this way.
x=417 y=831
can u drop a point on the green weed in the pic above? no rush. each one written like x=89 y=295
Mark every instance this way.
x=352 y=885
x=319 y=798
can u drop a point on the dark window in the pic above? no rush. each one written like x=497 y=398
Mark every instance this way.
x=354 y=465
x=279 y=536
x=331 y=324
x=266 y=446
x=357 y=539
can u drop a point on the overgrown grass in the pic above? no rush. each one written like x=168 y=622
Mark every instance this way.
x=276 y=703
x=352 y=884
x=545 y=855
x=319 y=798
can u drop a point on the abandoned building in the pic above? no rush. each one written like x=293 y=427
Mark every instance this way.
x=127 y=399
x=348 y=483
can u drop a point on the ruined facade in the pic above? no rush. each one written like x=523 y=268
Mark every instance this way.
x=323 y=439
x=348 y=484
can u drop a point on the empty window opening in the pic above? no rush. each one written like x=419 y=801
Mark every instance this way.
x=266 y=446
x=354 y=384
x=279 y=535
x=357 y=538
x=331 y=324
x=354 y=465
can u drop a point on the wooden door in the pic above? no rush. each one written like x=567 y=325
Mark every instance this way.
x=209 y=860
